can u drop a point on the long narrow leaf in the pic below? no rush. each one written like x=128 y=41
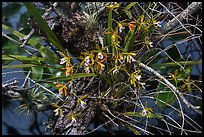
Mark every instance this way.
x=18 y=66
x=133 y=129
x=37 y=72
x=130 y=40
x=44 y=26
x=128 y=13
x=22 y=58
x=170 y=64
x=109 y=42
x=63 y=78
x=32 y=64
x=130 y=5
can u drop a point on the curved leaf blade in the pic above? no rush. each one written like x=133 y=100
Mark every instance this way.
x=63 y=78
x=133 y=129
x=130 y=5
x=22 y=58
x=44 y=26
x=37 y=72
x=170 y=64
x=18 y=66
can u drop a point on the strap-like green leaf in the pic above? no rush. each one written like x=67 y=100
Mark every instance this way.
x=37 y=72
x=44 y=26
x=133 y=129
x=128 y=13
x=170 y=64
x=18 y=66
x=130 y=5
x=130 y=40
x=21 y=58
x=71 y=77
x=109 y=42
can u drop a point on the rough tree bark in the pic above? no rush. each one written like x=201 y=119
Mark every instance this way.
x=85 y=113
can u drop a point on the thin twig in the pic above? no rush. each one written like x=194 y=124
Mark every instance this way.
x=26 y=79
x=174 y=89
x=46 y=89
x=151 y=97
x=145 y=131
x=27 y=38
x=179 y=18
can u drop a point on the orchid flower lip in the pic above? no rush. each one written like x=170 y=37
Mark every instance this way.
x=132 y=59
x=115 y=71
x=100 y=55
x=121 y=28
x=73 y=120
x=86 y=63
x=57 y=112
x=87 y=59
x=138 y=77
x=118 y=45
x=62 y=60
x=143 y=85
x=150 y=44
x=144 y=112
x=82 y=103
x=158 y=23
x=87 y=70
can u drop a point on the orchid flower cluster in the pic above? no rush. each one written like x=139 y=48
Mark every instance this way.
x=94 y=60
x=111 y=58
x=97 y=60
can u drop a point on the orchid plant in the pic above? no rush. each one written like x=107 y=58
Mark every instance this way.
x=113 y=61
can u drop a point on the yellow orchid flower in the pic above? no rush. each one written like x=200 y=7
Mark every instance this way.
x=135 y=78
x=88 y=56
x=100 y=66
x=100 y=52
x=62 y=89
x=66 y=57
x=148 y=43
x=146 y=111
x=111 y=6
x=58 y=110
x=174 y=76
x=114 y=35
x=131 y=25
x=187 y=84
x=69 y=70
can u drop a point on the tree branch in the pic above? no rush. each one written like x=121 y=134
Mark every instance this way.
x=27 y=38
x=179 y=18
x=174 y=89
